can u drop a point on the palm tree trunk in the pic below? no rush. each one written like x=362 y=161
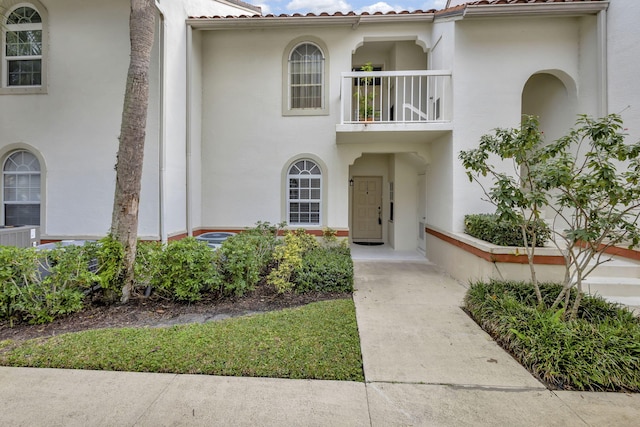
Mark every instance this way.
x=124 y=222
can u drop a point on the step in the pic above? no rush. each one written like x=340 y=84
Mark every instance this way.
x=612 y=286
x=618 y=267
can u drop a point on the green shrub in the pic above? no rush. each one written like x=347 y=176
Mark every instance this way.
x=490 y=228
x=187 y=270
x=37 y=286
x=325 y=270
x=599 y=351
x=94 y=266
x=108 y=253
x=288 y=258
x=148 y=266
x=244 y=257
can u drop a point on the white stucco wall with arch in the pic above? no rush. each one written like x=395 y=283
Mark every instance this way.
x=493 y=61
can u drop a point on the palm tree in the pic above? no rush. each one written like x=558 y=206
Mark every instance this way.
x=124 y=222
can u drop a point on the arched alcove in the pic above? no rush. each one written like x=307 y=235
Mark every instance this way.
x=551 y=96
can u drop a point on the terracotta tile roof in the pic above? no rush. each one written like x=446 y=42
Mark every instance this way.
x=323 y=14
x=454 y=10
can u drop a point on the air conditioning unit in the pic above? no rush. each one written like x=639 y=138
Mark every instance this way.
x=22 y=236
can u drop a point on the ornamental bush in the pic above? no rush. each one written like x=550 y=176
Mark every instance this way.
x=325 y=270
x=288 y=258
x=598 y=351
x=490 y=228
x=187 y=270
x=243 y=258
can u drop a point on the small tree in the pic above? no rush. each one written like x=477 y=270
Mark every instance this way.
x=517 y=195
x=597 y=179
x=589 y=179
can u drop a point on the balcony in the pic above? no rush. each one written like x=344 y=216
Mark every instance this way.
x=412 y=106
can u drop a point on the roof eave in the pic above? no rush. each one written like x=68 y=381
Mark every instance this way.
x=533 y=9
x=224 y=23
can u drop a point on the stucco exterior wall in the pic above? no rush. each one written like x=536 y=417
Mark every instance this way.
x=246 y=140
x=177 y=214
x=623 y=51
x=75 y=125
x=493 y=61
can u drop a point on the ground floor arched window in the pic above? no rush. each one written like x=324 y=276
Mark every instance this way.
x=21 y=187
x=304 y=193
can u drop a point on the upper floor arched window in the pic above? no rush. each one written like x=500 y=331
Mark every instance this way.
x=305 y=83
x=306 y=76
x=24 y=45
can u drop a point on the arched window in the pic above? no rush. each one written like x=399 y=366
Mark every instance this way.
x=21 y=189
x=23 y=48
x=306 y=77
x=304 y=193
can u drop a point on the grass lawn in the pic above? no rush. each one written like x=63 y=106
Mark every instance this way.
x=317 y=341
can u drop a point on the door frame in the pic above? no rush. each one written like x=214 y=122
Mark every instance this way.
x=355 y=179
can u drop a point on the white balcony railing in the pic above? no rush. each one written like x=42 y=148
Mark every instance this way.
x=396 y=97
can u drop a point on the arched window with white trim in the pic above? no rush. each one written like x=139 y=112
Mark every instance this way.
x=23 y=47
x=304 y=193
x=21 y=185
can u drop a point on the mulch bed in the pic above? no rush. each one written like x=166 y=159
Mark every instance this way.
x=153 y=312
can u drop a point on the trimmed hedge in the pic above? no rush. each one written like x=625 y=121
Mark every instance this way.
x=599 y=351
x=489 y=228
x=325 y=270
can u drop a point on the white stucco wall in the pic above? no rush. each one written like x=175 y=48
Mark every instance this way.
x=623 y=50
x=493 y=61
x=175 y=210
x=75 y=125
x=246 y=141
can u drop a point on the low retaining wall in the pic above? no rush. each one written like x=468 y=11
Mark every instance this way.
x=468 y=259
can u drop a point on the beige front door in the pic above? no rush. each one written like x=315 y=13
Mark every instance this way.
x=367 y=208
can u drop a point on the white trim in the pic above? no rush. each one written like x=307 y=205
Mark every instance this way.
x=539 y=9
x=5 y=9
x=603 y=96
x=286 y=87
x=310 y=200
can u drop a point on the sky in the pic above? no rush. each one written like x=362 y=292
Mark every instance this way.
x=289 y=7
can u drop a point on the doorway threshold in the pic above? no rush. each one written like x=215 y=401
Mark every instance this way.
x=384 y=252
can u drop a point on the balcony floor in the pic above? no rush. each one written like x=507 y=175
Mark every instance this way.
x=367 y=132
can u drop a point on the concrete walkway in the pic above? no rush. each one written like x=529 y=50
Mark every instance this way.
x=425 y=362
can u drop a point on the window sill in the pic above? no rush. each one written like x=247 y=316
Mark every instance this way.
x=27 y=90
x=306 y=112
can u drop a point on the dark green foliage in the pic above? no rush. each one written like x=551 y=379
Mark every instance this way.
x=598 y=351
x=39 y=286
x=325 y=270
x=490 y=228
x=243 y=258
x=183 y=270
x=149 y=259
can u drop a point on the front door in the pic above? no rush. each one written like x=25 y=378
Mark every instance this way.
x=367 y=208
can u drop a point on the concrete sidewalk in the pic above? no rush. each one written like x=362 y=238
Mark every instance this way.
x=425 y=362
